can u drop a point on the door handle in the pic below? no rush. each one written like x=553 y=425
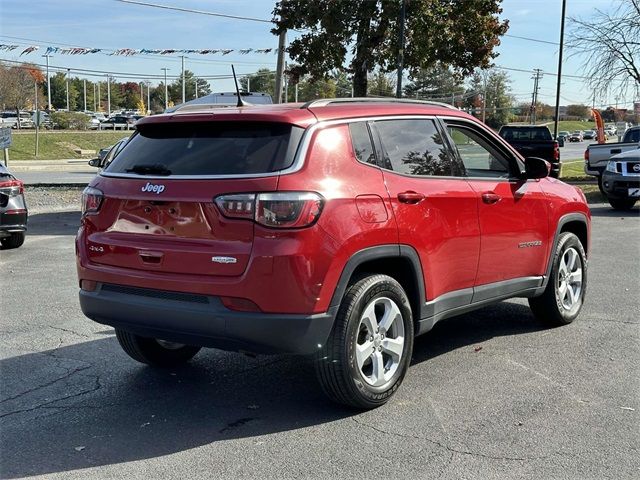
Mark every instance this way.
x=491 y=198
x=410 y=197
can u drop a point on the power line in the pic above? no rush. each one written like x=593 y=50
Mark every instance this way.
x=532 y=39
x=190 y=10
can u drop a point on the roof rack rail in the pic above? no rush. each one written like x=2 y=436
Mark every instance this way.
x=323 y=102
x=198 y=106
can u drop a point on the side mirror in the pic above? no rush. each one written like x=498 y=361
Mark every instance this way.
x=94 y=162
x=535 y=167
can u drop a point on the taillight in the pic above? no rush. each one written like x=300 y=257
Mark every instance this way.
x=91 y=200
x=556 y=151
x=12 y=187
x=586 y=155
x=277 y=210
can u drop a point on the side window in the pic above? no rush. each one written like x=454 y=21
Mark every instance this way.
x=361 y=141
x=480 y=159
x=416 y=147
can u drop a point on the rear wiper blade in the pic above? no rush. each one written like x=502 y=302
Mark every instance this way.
x=155 y=169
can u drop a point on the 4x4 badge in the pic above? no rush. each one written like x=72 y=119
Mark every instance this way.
x=150 y=187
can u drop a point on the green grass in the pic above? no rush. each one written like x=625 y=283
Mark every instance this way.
x=571 y=126
x=574 y=170
x=60 y=145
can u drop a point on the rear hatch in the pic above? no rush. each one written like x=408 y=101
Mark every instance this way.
x=158 y=212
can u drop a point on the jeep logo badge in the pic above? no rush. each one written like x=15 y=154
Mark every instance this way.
x=150 y=187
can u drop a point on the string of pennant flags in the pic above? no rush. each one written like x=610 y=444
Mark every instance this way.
x=127 y=52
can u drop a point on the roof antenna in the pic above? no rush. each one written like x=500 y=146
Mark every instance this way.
x=240 y=102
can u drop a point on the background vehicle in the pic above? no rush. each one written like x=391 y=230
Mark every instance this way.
x=106 y=155
x=117 y=122
x=562 y=137
x=621 y=180
x=534 y=141
x=329 y=229
x=576 y=136
x=13 y=210
x=228 y=98
x=597 y=156
x=589 y=135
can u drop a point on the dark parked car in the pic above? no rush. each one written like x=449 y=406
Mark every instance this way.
x=105 y=155
x=117 y=122
x=589 y=135
x=13 y=210
x=340 y=229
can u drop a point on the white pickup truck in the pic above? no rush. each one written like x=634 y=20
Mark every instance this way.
x=597 y=156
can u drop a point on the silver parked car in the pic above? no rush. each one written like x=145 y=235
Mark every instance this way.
x=13 y=210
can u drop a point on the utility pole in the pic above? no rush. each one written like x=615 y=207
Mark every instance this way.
x=537 y=75
x=37 y=117
x=95 y=105
x=109 y=95
x=248 y=84
x=555 y=123
x=195 y=80
x=401 y=20
x=184 y=92
x=84 y=83
x=148 y=97
x=99 y=98
x=166 y=89
x=484 y=97
x=282 y=40
x=48 y=84
x=296 y=93
x=68 y=73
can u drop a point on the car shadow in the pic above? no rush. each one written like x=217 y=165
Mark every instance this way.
x=54 y=223
x=604 y=210
x=87 y=404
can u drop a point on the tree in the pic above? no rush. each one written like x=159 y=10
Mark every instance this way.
x=263 y=81
x=367 y=31
x=490 y=89
x=437 y=82
x=380 y=84
x=609 y=44
x=18 y=87
x=175 y=88
x=581 y=111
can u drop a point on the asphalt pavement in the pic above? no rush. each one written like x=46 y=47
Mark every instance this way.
x=489 y=395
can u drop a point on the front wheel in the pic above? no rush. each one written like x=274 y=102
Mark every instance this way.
x=563 y=297
x=155 y=352
x=622 y=203
x=369 y=350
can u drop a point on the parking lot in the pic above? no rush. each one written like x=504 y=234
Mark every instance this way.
x=491 y=394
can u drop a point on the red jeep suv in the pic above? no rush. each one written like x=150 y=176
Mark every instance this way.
x=340 y=228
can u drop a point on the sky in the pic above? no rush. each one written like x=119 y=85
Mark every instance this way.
x=111 y=24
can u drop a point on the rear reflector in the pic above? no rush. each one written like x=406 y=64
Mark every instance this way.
x=277 y=210
x=88 y=285
x=239 y=304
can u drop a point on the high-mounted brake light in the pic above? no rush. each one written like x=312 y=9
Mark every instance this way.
x=276 y=210
x=91 y=200
x=12 y=187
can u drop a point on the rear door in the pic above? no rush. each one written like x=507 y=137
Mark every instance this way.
x=513 y=212
x=435 y=208
x=158 y=211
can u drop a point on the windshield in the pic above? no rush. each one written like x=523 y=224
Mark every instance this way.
x=214 y=148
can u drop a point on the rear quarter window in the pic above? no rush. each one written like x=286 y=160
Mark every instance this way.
x=214 y=148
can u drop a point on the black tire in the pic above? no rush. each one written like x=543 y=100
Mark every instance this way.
x=600 y=187
x=550 y=308
x=622 y=203
x=14 y=241
x=336 y=364
x=150 y=351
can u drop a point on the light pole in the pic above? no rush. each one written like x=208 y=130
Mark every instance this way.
x=183 y=83
x=99 y=98
x=95 y=107
x=148 y=97
x=555 y=124
x=109 y=95
x=68 y=73
x=195 y=80
x=166 y=89
x=48 y=84
x=84 y=81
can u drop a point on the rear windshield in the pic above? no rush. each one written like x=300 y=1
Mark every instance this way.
x=208 y=149
x=533 y=133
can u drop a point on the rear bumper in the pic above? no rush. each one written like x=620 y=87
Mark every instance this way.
x=203 y=320
x=12 y=223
